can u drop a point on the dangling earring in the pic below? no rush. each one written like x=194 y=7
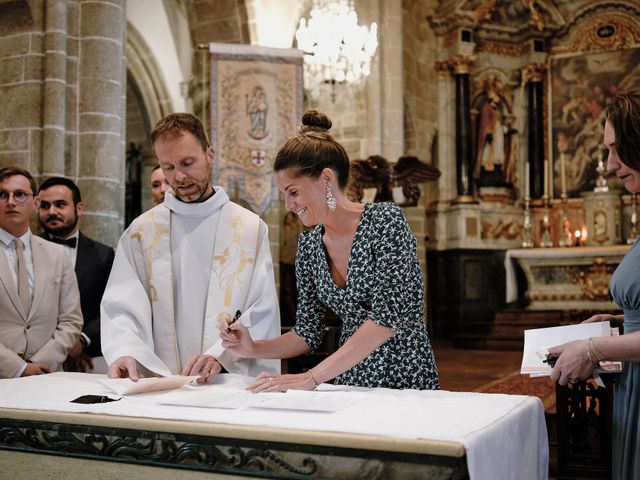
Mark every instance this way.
x=331 y=200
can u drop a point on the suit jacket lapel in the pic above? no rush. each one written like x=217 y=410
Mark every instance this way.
x=84 y=257
x=40 y=267
x=6 y=278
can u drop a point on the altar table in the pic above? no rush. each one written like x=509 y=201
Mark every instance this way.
x=565 y=278
x=387 y=434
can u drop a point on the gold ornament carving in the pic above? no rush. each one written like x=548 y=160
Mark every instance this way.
x=484 y=46
x=510 y=230
x=533 y=72
x=462 y=64
x=450 y=39
x=611 y=30
x=594 y=280
x=443 y=69
x=496 y=11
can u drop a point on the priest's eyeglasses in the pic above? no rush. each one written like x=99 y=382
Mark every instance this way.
x=19 y=196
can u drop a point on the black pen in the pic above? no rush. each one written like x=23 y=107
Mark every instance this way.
x=233 y=320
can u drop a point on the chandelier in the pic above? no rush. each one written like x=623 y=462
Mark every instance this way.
x=337 y=49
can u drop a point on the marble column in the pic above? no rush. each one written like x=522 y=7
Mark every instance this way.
x=464 y=148
x=446 y=134
x=533 y=76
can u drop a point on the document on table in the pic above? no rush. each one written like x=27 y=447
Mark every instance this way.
x=539 y=339
x=126 y=386
x=212 y=396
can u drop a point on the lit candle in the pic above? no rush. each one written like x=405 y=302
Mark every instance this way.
x=578 y=234
x=563 y=180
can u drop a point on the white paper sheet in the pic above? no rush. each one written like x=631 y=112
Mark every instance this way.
x=213 y=396
x=126 y=386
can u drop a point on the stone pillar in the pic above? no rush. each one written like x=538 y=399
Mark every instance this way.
x=101 y=140
x=55 y=88
x=62 y=79
x=464 y=148
x=533 y=75
x=390 y=38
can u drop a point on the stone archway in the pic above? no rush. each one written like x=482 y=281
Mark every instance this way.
x=148 y=100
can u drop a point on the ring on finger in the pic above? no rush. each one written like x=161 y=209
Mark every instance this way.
x=270 y=379
x=573 y=381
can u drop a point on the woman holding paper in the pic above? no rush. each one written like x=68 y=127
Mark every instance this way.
x=578 y=360
x=360 y=261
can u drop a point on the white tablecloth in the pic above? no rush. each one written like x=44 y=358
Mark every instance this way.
x=505 y=436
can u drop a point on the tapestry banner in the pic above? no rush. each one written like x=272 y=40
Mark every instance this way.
x=256 y=105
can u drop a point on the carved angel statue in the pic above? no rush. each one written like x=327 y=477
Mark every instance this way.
x=375 y=179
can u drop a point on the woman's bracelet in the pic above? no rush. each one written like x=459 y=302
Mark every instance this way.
x=592 y=351
x=313 y=379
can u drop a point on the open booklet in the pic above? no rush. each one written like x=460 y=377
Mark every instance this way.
x=540 y=339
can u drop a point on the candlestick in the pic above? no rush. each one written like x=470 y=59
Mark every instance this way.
x=545 y=239
x=546 y=178
x=527 y=226
x=563 y=179
x=566 y=238
x=527 y=187
x=601 y=182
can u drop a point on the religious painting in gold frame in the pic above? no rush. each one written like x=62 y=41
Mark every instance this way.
x=581 y=86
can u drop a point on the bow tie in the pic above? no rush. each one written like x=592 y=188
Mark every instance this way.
x=69 y=242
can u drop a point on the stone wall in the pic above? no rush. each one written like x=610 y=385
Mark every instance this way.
x=420 y=83
x=63 y=91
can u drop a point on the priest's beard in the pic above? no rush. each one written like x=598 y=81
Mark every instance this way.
x=63 y=230
x=196 y=194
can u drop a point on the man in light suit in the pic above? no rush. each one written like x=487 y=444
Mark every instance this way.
x=60 y=207
x=40 y=317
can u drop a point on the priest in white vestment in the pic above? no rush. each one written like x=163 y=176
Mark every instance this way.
x=182 y=265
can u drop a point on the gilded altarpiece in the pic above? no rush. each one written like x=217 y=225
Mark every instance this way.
x=538 y=77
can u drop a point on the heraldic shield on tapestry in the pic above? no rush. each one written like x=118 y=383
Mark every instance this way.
x=256 y=105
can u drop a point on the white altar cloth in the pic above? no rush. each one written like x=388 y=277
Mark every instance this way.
x=504 y=436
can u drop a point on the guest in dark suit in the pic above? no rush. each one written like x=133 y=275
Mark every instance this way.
x=60 y=208
x=40 y=317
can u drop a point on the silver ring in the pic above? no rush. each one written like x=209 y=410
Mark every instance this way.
x=573 y=381
x=270 y=379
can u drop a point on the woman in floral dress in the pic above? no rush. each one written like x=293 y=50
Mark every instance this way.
x=361 y=262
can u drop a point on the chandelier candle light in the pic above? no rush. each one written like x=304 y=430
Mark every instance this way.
x=337 y=49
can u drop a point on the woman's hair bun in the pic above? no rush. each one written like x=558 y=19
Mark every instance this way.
x=316 y=119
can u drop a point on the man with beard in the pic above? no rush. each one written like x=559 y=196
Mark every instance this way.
x=60 y=208
x=183 y=266
x=40 y=315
